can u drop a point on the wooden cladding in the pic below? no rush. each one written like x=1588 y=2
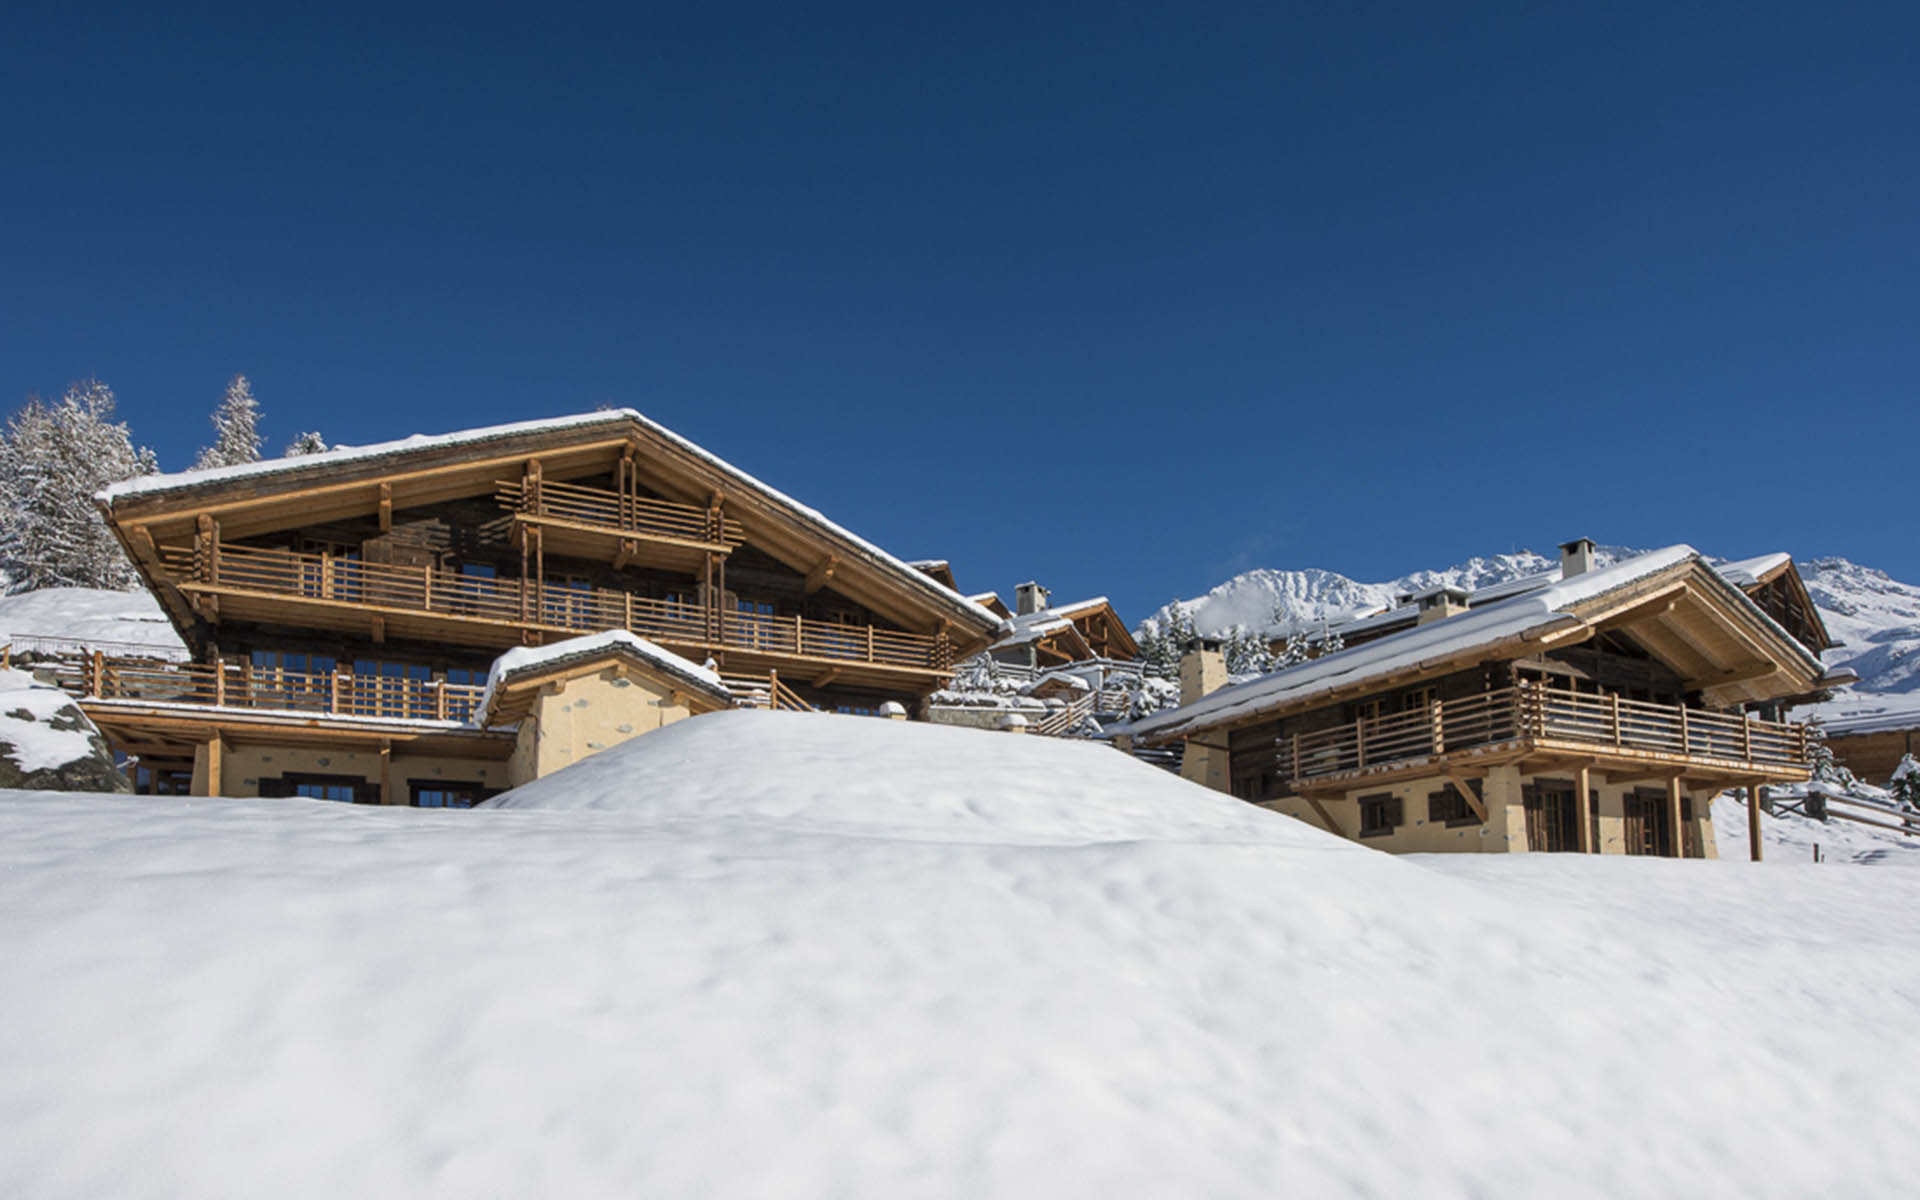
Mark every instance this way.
x=1537 y=712
x=222 y=568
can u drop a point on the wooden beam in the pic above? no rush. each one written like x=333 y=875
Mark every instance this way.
x=1461 y=784
x=1673 y=815
x=1740 y=674
x=827 y=676
x=629 y=550
x=386 y=508
x=822 y=573
x=379 y=629
x=1658 y=606
x=216 y=763
x=1583 y=808
x=1326 y=817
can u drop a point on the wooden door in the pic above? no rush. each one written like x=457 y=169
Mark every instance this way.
x=1553 y=821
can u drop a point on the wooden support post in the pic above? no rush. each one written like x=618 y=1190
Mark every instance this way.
x=1616 y=719
x=1756 y=797
x=333 y=691
x=870 y=657
x=1436 y=717
x=216 y=761
x=426 y=587
x=1583 y=809
x=1359 y=741
x=798 y=632
x=1746 y=736
x=386 y=508
x=440 y=699
x=1673 y=816
x=219 y=682
x=1296 y=758
x=539 y=574
x=97 y=685
x=1684 y=748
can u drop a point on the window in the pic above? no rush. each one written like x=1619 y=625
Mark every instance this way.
x=474 y=676
x=1449 y=806
x=163 y=781
x=296 y=661
x=1419 y=699
x=567 y=601
x=857 y=710
x=1379 y=815
x=1368 y=710
x=386 y=688
x=344 y=789
x=441 y=794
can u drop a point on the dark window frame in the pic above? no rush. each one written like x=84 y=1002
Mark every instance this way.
x=1386 y=807
x=288 y=783
x=472 y=789
x=1450 y=806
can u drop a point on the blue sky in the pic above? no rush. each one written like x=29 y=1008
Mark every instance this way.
x=1124 y=298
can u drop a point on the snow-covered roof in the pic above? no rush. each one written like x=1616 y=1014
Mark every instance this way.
x=1750 y=571
x=1436 y=643
x=533 y=660
x=1871 y=713
x=180 y=481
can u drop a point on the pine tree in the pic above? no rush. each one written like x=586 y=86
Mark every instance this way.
x=53 y=458
x=1167 y=640
x=1331 y=641
x=309 y=442
x=1247 y=653
x=1905 y=784
x=1295 y=652
x=236 y=428
x=1826 y=769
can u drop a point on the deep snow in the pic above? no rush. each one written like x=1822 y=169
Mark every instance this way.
x=800 y=955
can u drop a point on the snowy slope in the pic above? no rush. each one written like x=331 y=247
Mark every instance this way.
x=768 y=954
x=1877 y=619
x=60 y=619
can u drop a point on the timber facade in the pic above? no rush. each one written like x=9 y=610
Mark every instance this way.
x=343 y=611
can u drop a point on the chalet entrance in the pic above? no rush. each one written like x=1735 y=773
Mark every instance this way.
x=1553 y=820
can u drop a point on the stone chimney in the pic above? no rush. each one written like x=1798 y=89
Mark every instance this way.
x=1203 y=669
x=1438 y=603
x=1029 y=597
x=1576 y=557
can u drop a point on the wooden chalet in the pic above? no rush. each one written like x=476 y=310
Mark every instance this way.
x=343 y=609
x=1598 y=711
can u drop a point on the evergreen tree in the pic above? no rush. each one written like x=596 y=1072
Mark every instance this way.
x=53 y=458
x=1167 y=640
x=1331 y=641
x=1295 y=652
x=1905 y=784
x=1826 y=769
x=1247 y=652
x=236 y=428
x=309 y=442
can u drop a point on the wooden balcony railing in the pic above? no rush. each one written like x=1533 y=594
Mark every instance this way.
x=630 y=516
x=1537 y=712
x=242 y=685
x=552 y=607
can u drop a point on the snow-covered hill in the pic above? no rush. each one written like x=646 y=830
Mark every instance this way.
x=70 y=619
x=1875 y=617
x=795 y=955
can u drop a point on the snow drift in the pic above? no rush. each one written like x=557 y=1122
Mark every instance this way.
x=760 y=954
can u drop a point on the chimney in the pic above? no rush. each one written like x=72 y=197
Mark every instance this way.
x=1203 y=669
x=1441 y=602
x=1576 y=557
x=1029 y=597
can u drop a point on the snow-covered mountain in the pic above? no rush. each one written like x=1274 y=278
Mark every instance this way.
x=1875 y=617
x=1279 y=602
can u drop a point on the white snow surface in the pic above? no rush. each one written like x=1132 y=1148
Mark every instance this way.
x=37 y=746
x=805 y=955
x=59 y=620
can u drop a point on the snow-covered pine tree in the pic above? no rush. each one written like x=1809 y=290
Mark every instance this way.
x=236 y=428
x=309 y=442
x=53 y=458
x=1295 y=651
x=1246 y=652
x=1167 y=640
x=1905 y=784
x=1330 y=640
x=1826 y=769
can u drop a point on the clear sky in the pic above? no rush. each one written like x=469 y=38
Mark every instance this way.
x=1125 y=298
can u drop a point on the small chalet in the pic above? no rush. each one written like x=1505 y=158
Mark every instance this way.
x=402 y=623
x=1595 y=710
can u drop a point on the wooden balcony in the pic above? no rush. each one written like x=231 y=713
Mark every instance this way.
x=280 y=587
x=589 y=522
x=241 y=685
x=1515 y=722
